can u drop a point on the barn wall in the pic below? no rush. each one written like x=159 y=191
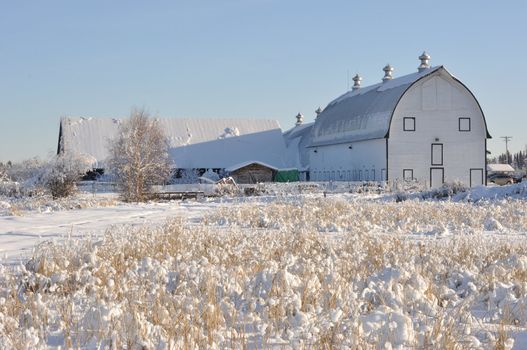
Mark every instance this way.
x=437 y=103
x=252 y=174
x=366 y=160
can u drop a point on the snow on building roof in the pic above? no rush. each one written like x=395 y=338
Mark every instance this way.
x=500 y=167
x=297 y=139
x=249 y=162
x=195 y=143
x=363 y=113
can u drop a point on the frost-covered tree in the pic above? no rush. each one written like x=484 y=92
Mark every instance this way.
x=62 y=173
x=57 y=175
x=139 y=156
x=28 y=175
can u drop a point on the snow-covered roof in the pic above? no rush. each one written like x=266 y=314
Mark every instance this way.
x=297 y=139
x=195 y=143
x=249 y=162
x=500 y=167
x=364 y=113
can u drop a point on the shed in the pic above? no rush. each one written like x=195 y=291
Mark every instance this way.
x=499 y=168
x=252 y=172
x=287 y=175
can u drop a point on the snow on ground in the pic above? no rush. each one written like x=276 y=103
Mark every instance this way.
x=34 y=224
x=298 y=267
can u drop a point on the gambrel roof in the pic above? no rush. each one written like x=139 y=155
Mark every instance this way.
x=365 y=113
x=194 y=143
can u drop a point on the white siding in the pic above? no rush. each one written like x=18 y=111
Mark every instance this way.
x=364 y=161
x=437 y=103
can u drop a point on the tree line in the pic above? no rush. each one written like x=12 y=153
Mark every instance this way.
x=517 y=160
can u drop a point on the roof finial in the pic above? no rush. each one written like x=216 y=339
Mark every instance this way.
x=357 y=79
x=424 y=62
x=318 y=111
x=387 y=72
x=299 y=119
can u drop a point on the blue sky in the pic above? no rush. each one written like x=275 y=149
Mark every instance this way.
x=233 y=58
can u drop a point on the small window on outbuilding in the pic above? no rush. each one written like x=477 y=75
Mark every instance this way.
x=409 y=124
x=408 y=174
x=464 y=124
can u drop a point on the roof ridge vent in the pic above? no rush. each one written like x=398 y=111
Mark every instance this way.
x=425 y=64
x=299 y=119
x=318 y=111
x=387 y=73
x=356 y=79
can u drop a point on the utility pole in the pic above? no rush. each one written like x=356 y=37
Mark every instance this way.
x=507 y=139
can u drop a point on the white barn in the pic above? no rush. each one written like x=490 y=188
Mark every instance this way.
x=426 y=126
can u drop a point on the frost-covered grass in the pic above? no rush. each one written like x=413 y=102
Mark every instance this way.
x=309 y=273
x=357 y=215
x=20 y=206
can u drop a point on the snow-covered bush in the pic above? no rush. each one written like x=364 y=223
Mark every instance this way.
x=3 y=173
x=29 y=176
x=139 y=156
x=62 y=172
x=9 y=188
x=447 y=190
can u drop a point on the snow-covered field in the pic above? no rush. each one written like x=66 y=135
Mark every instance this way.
x=289 y=269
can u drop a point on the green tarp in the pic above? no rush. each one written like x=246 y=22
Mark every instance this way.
x=287 y=175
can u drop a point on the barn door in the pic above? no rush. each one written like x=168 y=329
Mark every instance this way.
x=476 y=177
x=437 y=177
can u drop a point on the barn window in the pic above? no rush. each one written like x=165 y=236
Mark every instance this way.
x=360 y=175
x=409 y=124
x=373 y=174
x=464 y=124
x=408 y=174
x=366 y=175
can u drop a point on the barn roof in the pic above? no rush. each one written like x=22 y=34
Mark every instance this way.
x=364 y=113
x=297 y=139
x=195 y=143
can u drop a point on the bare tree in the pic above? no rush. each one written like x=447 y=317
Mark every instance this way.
x=139 y=156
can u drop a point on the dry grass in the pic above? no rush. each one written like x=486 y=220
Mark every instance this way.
x=268 y=276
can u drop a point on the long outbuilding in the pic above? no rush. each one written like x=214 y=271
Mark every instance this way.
x=196 y=144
